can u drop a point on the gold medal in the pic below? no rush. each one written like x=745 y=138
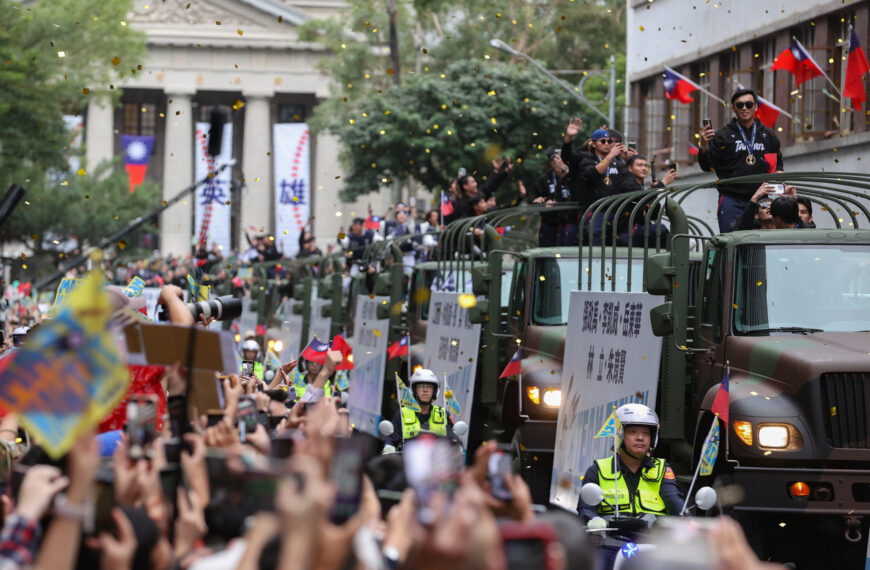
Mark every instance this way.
x=607 y=181
x=750 y=159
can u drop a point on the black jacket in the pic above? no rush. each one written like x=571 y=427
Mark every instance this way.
x=550 y=187
x=727 y=153
x=600 y=185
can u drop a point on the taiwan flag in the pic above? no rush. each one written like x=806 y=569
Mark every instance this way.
x=720 y=404
x=446 y=204
x=693 y=149
x=137 y=151
x=678 y=87
x=514 y=365
x=340 y=344
x=856 y=67
x=797 y=60
x=373 y=222
x=399 y=348
x=767 y=112
x=316 y=350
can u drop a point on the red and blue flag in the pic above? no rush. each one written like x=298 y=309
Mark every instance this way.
x=856 y=67
x=399 y=348
x=679 y=87
x=137 y=152
x=514 y=365
x=767 y=112
x=720 y=404
x=316 y=350
x=446 y=204
x=373 y=222
x=797 y=60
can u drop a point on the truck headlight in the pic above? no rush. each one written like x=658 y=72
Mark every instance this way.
x=553 y=398
x=534 y=394
x=775 y=436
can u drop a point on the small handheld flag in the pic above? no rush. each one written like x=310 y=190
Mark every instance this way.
x=720 y=403
x=710 y=450
x=514 y=365
x=446 y=204
x=406 y=398
x=316 y=350
x=373 y=222
x=612 y=427
x=399 y=348
x=197 y=292
x=341 y=345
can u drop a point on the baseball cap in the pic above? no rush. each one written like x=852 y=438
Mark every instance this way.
x=600 y=134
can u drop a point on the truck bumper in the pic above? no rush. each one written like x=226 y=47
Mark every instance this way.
x=832 y=491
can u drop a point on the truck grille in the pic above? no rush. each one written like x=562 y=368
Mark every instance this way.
x=844 y=409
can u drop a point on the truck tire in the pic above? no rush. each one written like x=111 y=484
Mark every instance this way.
x=536 y=469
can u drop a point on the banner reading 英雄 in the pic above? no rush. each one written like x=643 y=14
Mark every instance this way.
x=291 y=143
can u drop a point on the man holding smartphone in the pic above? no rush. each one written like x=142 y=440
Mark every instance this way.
x=742 y=147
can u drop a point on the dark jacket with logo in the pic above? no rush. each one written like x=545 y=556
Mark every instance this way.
x=600 y=185
x=550 y=187
x=726 y=154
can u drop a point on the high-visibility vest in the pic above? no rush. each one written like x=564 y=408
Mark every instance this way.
x=411 y=423
x=648 y=498
x=300 y=390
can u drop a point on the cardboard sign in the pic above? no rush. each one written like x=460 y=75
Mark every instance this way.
x=370 y=360
x=613 y=360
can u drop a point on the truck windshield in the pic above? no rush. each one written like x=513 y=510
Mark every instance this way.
x=801 y=288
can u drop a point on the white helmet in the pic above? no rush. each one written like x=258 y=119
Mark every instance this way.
x=424 y=376
x=251 y=345
x=640 y=415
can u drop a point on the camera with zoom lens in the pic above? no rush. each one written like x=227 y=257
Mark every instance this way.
x=224 y=308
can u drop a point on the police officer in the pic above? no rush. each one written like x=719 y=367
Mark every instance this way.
x=407 y=424
x=302 y=380
x=250 y=351
x=645 y=484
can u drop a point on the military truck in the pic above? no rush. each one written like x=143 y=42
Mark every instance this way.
x=784 y=315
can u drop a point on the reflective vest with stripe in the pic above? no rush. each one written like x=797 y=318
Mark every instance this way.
x=411 y=423
x=647 y=499
x=327 y=390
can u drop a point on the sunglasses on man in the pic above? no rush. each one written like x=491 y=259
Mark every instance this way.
x=744 y=104
x=605 y=141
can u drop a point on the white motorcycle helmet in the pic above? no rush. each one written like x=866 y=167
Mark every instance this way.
x=424 y=376
x=640 y=415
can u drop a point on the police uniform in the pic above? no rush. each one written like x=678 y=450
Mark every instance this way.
x=407 y=424
x=652 y=490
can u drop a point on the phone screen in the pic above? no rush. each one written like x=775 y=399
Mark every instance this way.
x=346 y=472
x=104 y=502
x=141 y=426
x=247 y=414
x=248 y=368
x=500 y=466
x=708 y=123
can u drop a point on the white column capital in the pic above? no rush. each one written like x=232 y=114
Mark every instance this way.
x=254 y=93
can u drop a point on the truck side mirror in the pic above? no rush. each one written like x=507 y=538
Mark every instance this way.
x=298 y=308
x=299 y=291
x=478 y=314
x=383 y=310
x=658 y=274
x=480 y=280
x=325 y=290
x=662 y=319
x=382 y=284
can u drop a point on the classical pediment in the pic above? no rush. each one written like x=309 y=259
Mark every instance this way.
x=231 y=14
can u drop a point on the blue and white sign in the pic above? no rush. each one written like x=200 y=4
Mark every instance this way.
x=369 y=343
x=613 y=359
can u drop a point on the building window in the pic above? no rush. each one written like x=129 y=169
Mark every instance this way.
x=140 y=118
x=291 y=113
x=654 y=125
x=205 y=112
x=810 y=99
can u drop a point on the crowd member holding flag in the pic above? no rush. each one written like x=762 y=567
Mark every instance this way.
x=643 y=484
x=742 y=147
x=407 y=423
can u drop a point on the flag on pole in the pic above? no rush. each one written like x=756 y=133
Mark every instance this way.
x=197 y=292
x=272 y=361
x=137 y=151
x=514 y=365
x=446 y=204
x=316 y=350
x=856 y=67
x=693 y=149
x=720 y=404
x=710 y=450
x=450 y=399
x=373 y=222
x=399 y=348
x=612 y=427
x=341 y=345
x=767 y=112
x=797 y=60
x=406 y=398
x=679 y=87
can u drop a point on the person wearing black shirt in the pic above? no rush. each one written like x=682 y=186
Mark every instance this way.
x=602 y=173
x=554 y=186
x=742 y=147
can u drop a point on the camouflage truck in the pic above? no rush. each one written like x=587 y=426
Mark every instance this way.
x=785 y=316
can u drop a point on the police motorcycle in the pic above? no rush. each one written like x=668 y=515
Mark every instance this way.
x=410 y=424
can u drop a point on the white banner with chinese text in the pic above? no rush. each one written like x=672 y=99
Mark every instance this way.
x=292 y=184
x=212 y=208
x=369 y=363
x=613 y=360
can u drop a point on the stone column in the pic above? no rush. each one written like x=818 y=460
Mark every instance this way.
x=257 y=202
x=99 y=133
x=176 y=222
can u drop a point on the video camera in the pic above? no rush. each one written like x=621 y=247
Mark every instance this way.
x=224 y=308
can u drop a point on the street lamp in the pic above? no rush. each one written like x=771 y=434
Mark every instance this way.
x=578 y=92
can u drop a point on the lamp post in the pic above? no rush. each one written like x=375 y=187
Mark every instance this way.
x=578 y=92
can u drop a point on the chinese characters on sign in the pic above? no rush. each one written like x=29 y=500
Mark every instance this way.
x=366 y=378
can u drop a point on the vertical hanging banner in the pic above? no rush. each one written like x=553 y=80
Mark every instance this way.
x=291 y=144
x=212 y=210
x=614 y=360
x=370 y=360
x=452 y=343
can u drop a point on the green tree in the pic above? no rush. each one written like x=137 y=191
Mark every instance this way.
x=55 y=55
x=465 y=117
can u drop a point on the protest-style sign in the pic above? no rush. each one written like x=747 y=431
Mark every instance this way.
x=205 y=351
x=291 y=143
x=69 y=374
x=613 y=360
x=370 y=336
x=452 y=343
x=67 y=286
x=212 y=206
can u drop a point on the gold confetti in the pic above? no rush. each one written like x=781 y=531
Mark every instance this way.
x=240 y=32
x=390 y=71
x=640 y=28
x=218 y=23
x=81 y=172
x=238 y=104
x=85 y=90
x=377 y=333
x=122 y=244
x=467 y=301
x=116 y=61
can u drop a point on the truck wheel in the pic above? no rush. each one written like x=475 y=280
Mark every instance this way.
x=536 y=469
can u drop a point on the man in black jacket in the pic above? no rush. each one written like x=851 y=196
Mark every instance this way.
x=552 y=187
x=602 y=173
x=742 y=147
x=638 y=169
